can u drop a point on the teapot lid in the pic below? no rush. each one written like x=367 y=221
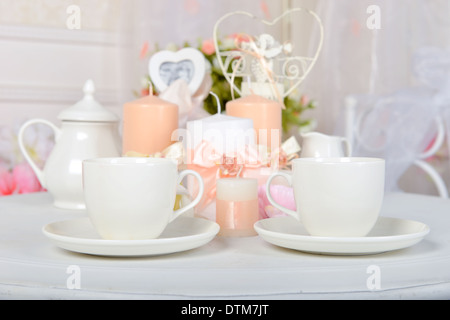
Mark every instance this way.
x=88 y=109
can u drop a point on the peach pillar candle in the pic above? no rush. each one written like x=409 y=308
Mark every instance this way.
x=266 y=116
x=237 y=206
x=148 y=124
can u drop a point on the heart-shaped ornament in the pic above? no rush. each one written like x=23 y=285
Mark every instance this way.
x=167 y=66
x=261 y=55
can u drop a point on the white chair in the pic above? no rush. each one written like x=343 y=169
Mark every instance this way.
x=352 y=120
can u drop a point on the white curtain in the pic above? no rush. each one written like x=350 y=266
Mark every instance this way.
x=358 y=60
x=395 y=74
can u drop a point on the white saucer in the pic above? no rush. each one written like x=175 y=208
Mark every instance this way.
x=388 y=234
x=182 y=234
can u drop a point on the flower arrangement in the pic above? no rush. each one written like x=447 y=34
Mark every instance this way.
x=295 y=103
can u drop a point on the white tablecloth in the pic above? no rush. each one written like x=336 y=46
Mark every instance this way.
x=31 y=267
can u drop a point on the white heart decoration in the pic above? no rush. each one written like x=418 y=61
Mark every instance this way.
x=307 y=63
x=167 y=66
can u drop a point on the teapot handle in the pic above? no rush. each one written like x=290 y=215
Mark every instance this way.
x=39 y=173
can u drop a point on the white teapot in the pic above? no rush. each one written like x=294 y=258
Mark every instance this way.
x=315 y=144
x=87 y=131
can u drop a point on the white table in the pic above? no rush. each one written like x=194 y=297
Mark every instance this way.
x=31 y=267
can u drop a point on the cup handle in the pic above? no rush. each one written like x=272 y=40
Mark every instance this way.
x=288 y=177
x=348 y=147
x=189 y=206
x=39 y=173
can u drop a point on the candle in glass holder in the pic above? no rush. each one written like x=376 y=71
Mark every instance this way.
x=237 y=206
x=266 y=116
x=148 y=124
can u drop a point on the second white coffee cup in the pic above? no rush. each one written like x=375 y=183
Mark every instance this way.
x=335 y=197
x=133 y=198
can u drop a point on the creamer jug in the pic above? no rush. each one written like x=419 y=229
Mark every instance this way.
x=315 y=144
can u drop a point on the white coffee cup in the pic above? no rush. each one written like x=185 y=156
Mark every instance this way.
x=335 y=197
x=133 y=198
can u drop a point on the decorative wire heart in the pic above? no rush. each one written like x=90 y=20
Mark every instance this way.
x=232 y=57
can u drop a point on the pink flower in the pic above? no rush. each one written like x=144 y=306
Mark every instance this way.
x=265 y=9
x=208 y=47
x=7 y=183
x=304 y=100
x=281 y=194
x=144 y=50
x=191 y=6
x=25 y=179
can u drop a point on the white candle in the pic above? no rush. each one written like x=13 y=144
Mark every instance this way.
x=209 y=142
x=237 y=189
x=237 y=206
x=226 y=133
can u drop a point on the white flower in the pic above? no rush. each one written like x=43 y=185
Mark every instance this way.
x=7 y=149
x=227 y=44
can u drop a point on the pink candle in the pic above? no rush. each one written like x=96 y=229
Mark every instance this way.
x=237 y=206
x=148 y=124
x=266 y=116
